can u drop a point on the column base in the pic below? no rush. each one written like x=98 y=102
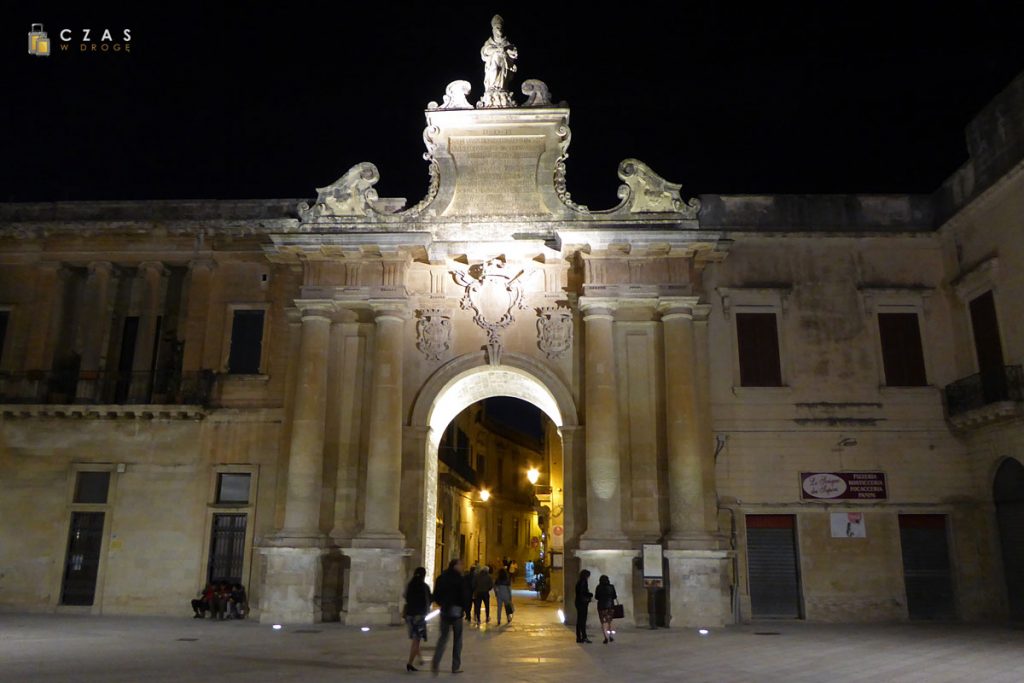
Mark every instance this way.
x=393 y=541
x=292 y=586
x=605 y=541
x=698 y=588
x=376 y=578
x=698 y=540
x=617 y=564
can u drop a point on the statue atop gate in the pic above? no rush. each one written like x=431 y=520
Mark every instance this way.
x=499 y=56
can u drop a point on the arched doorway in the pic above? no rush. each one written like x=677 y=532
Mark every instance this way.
x=1008 y=492
x=467 y=381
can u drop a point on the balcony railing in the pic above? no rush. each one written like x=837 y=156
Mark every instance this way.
x=985 y=388
x=457 y=461
x=110 y=388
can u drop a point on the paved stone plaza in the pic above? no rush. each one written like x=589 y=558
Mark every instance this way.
x=535 y=648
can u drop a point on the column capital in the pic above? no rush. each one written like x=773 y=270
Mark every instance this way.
x=100 y=267
x=315 y=310
x=701 y=313
x=50 y=265
x=597 y=308
x=677 y=306
x=397 y=310
x=153 y=266
x=207 y=264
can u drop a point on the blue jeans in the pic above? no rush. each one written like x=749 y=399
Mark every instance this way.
x=449 y=624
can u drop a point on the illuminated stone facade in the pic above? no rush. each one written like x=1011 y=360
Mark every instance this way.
x=371 y=326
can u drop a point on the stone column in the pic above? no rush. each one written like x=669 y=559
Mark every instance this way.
x=306 y=453
x=604 y=495
x=377 y=554
x=95 y=328
x=43 y=328
x=698 y=580
x=200 y=277
x=384 y=460
x=294 y=556
x=684 y=432
x=151 y=273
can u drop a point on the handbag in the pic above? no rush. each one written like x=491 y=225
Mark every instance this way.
x=618 y=611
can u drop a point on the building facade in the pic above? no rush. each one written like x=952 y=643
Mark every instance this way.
x=811 y=403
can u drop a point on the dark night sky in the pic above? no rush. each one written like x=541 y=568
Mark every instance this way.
x=238 y=101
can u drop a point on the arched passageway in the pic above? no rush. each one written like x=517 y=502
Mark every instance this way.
x=457 y=387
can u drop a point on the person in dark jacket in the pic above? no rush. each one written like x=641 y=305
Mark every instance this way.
x=583 y=598
x=450 y=596
x=606 y=597
x=482 y=585
x=417 y=604
x=467 y=587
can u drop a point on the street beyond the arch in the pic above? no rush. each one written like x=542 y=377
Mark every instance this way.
x=534 y=648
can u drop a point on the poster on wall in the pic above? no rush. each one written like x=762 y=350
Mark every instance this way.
x=848 y=525
x=843 y=486
x=652 y=560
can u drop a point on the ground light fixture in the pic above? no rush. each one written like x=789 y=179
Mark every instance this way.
x=533 y=474
x=703 y=631
x=485 y=495
x=276 y=627
x=364 y=629
x=561 y=616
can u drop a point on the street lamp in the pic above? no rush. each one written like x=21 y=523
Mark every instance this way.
x=533 y=474
x=485 y=495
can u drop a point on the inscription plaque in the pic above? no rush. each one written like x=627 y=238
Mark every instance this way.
x=496 y=174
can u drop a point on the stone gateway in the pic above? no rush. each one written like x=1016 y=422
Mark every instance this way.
x=287 y=394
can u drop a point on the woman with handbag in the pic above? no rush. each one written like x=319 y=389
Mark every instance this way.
x=583 y=598
x=606 y=597
x=417 y=604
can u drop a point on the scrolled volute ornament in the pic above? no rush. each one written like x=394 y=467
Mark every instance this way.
x=537 y=93
x=350 y=195
x=647 y=192
x=454 y=97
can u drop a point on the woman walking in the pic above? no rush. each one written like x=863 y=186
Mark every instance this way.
x=583 y=598
x=503 y=595
x=606 y=597
x=417 y=604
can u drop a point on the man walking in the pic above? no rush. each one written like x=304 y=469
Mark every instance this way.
x=450 y=598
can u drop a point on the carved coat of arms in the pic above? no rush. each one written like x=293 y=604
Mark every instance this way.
x=434 y=333
x=493 y=291
x=554 y=331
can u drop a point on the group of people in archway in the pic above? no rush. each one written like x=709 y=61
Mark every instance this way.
x=459 y=596
x=456 y=592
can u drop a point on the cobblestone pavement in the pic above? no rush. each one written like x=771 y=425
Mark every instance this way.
x=534 y=648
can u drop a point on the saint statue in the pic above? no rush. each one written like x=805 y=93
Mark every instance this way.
x=499 y=57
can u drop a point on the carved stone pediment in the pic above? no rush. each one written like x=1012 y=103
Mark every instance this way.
x=494 y=292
